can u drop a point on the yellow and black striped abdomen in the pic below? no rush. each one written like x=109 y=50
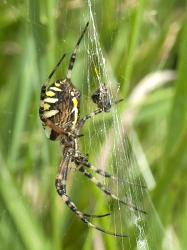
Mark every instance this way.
x=62 y=107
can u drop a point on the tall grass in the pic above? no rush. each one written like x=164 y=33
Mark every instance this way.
x=145 y=43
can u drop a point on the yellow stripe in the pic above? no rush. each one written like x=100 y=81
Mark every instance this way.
x=75 y=102
x=46 y=106
x=75 y=109
x=57 y=84
x=50 y=93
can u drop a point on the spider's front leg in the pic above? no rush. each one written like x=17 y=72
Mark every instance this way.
x=102 y=106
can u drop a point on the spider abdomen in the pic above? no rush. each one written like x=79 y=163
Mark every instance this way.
x=61 y=107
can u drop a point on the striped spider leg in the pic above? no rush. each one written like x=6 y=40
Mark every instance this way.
x=82 y=161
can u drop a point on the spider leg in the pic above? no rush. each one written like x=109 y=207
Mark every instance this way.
x=50 y=124
x=117 y=101
x=96 y=112
x=107 y=191
x=54 y=70
x=72 y=206
x=86 y=117
x=61 y=183
x=107 y=175
x=95 y=216
x=73 y=56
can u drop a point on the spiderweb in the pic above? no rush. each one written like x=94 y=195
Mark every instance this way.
x=109 y=139
x=115 y=152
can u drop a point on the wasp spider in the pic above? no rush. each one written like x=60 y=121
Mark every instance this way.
x=59 y=112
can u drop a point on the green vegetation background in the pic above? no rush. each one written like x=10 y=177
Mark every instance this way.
x=138 y=38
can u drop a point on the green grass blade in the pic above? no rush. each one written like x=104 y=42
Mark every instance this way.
x=25 y=221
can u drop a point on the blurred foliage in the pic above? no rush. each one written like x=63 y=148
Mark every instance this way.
x=138 y=39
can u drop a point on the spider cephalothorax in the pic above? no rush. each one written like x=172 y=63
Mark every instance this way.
x=59 y=112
